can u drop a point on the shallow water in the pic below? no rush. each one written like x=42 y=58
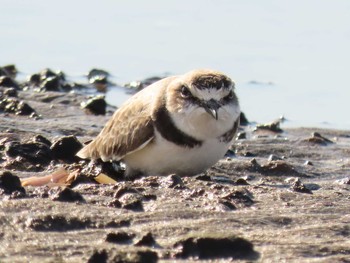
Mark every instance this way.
x=287 y=59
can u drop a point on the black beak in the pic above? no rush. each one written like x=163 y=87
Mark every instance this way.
x=212 y=107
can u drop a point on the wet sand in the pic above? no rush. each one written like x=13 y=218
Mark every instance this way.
x=277 y=197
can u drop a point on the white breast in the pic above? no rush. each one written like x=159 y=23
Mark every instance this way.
x=162 y=157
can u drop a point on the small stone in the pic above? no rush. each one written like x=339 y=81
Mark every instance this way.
x=273 y=126
x=98 y=256
x=13 y=105
x=203 y=177
x=65 y=148
x=35 y=153
x=317 y=138
x=172 y=181
x=65 y=194
x=119 y=237
x=50 y=84
x=299 y=187
x=11 y=70
x=131 y=201
x=34 y=79
x=10 y=92
x=147 y=240
x=241 y=181
x=140 y=256
x=96 y=105
x=215 y=247
x=10 y=183
x=115 y=203
x=8 y=83
x=41 y=139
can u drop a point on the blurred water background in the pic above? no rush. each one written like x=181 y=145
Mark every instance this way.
x=288 y=58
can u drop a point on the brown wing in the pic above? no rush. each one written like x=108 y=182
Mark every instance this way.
x=129 y=129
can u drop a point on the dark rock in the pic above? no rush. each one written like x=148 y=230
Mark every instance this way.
x=96 y=105
x=214 y=247
x=100 y=256
x=117 y=224
x=146 y=240
x=47 y=73
x=58 y=223
x=10 y=183
x=3 y=72
x=227 y=205
x=50 y=84
x=100 y=83
x=119 y=237
x=125 y=188
x=97 y=73
x=41 y=139
x=11 y=70
x=131 y=201
x=13 y=105
x=65 y=194
x=65 y=148
x=241 y=181
x=299 y=187
x=230 y=153
x=34 y=79
x=243 y=121
x=35 y=153
x=114 y=203
x=8 y=82
x=238 y=198
x=141 y=256
x=273 y=126
x=10 y=92
x=317 y=138
x=172 y=181
x=278 y=167
x=203 y=177
x=247 y=154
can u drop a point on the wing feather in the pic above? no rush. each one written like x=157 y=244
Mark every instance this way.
x=130 y=129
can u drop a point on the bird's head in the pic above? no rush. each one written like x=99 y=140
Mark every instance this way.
x=202 y=98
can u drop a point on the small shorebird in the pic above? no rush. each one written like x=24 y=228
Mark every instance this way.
x=181 y=124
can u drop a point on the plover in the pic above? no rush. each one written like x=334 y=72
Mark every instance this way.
x=179 y=125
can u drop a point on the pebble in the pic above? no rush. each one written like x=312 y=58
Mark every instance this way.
x=10 y=183
x=146 y=240
x=65 y=148
x=215 y=247
x=65 y=194
x=96 y=105
x=119 y=237
x=8 y=82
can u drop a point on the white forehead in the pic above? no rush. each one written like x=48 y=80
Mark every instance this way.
x=210 y=93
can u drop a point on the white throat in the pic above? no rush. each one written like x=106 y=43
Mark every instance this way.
x=196 y=122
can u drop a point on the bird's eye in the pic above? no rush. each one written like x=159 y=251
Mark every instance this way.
x=230 y=95
x=185 y=93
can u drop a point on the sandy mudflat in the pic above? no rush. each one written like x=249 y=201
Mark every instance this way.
x=293 y=207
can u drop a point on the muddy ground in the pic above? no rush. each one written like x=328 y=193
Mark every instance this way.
x=277 y=197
